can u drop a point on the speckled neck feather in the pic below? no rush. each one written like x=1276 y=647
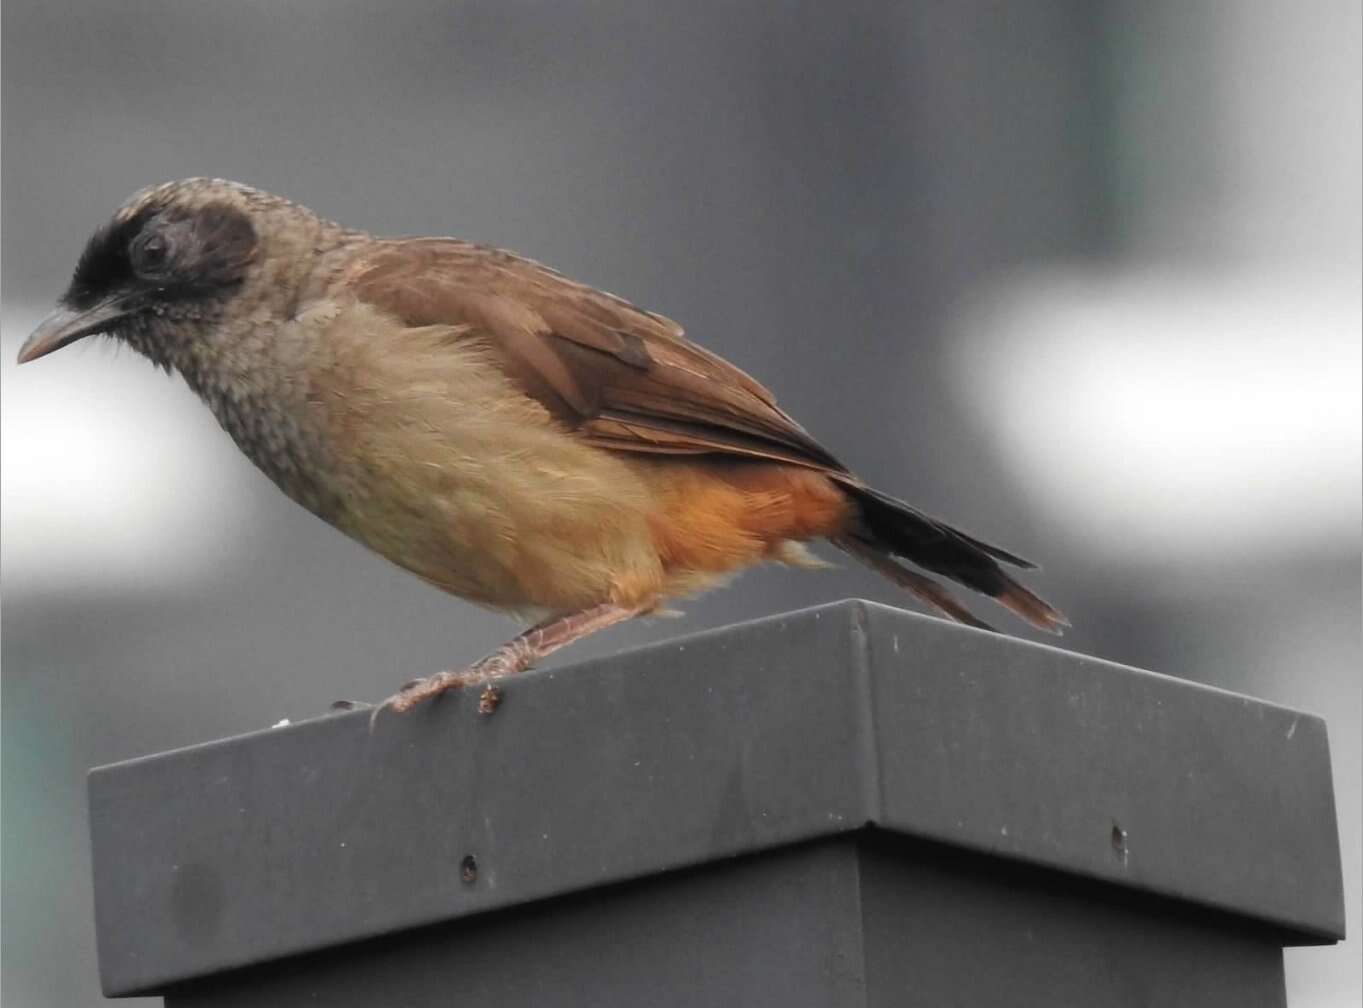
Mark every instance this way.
x=227 y=345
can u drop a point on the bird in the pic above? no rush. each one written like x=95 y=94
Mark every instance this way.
x=511 y=436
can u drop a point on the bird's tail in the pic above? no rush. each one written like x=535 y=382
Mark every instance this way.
x=888 y=531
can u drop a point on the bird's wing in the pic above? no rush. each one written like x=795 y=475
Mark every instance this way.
x=621 y=377
x=626 y=379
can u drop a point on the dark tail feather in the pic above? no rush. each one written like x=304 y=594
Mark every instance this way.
x=891 y=528
x=924 y=588
x=1032 y=607
x=1011 y=559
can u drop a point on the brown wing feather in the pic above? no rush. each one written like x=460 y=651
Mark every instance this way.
x=618 y=375
x=628 y=380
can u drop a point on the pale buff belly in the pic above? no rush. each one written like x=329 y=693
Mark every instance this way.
x=450 y=473
x=518 y=523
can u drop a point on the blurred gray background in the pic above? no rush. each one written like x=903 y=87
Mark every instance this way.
x=1082 y=276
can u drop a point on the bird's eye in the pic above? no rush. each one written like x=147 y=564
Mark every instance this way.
x=150 y=253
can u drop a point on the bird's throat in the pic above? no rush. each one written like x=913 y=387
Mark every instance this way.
x=261 y=399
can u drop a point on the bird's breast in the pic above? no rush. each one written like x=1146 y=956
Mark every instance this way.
x=446 y=469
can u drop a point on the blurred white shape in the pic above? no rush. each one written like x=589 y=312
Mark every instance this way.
x=113 y=475
x=1168 y=415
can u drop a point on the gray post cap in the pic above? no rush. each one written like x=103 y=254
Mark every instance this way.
x=806 y=725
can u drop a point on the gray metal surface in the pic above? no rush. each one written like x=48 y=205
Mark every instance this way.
x=744 y=739
x=981 y=933
x=1028 y=752
x=774 y=931
x=840 y=923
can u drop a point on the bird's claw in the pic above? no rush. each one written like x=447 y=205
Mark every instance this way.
x=482 y=672
x=401 y=701
x=489 y=699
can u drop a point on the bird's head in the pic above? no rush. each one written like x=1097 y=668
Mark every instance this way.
x=169 y=262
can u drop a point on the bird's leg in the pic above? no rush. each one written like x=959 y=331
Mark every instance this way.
x=517 y=655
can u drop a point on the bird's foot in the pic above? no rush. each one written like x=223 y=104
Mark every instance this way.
x=484 y=672
x=489 y=699
x=515 y=656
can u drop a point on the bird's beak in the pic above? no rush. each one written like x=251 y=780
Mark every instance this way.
x=64 y=326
